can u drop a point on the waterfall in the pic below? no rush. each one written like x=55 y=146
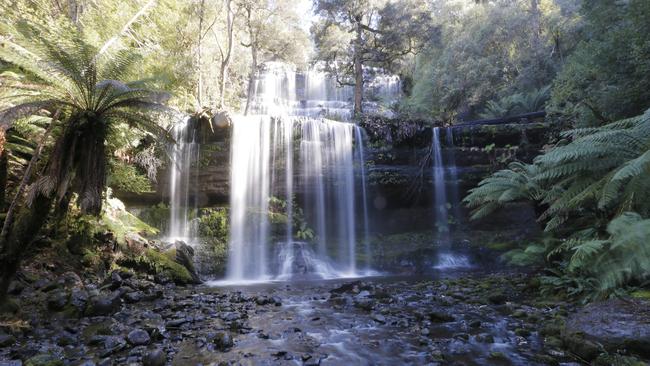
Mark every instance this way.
x=184 y=152
x=364 y=197
x=309 y=162
x=441 y=213
x=441 y=204
x=453 y=175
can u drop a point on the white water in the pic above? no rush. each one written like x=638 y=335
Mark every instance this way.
x=281 y=90
x=284 y=157
x=184 y=152
x=442 y=204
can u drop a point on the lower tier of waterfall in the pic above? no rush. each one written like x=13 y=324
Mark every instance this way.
x=297 y=199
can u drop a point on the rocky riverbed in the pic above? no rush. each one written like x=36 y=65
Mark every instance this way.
x=466 y=319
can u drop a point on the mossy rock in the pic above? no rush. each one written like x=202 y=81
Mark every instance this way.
x=641 y=294
x=96 y=329
x=44 y=360
x=501 y=246
x=161 y=264
x=9 y=306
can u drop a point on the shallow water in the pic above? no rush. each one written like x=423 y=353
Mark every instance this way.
x=378 y=321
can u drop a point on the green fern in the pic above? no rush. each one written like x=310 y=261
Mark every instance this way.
x=505 y=186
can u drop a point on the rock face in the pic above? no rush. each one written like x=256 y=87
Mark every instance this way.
x=185 y=257
x=614 y=324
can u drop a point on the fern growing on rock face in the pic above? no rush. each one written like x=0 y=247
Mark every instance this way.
x=505 y=186
x=596 y=186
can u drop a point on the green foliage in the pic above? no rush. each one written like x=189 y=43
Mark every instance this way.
x=608 y=76
x=621 y=257
x=516 y=104
x=277 y=215
x=126 y=177
x=95 y=93
x=602 y=172
x=213 y=222
x=157 y=263
x=505 y=186
x=588 y=184
x=156 y=216
x=489 y=52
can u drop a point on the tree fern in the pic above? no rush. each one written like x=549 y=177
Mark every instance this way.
x=505 y=186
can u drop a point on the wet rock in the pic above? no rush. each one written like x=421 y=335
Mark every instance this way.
x=71 y=280
x=364 y=304
x=57 y=300
x=346 y=287
x=223 y=341
x=176 y=323
x=440 y=317
x=44 y=360
x=485 y=338
x=276 y=301
x=379 y=318
x=616 y=324
x=583 y=348
x=112 y=345
x=185 y=257
x=114 y=281
x=104 y=305
x=497 y=298
x=138 y=337
x=263 y=300
x=133 y=297
x=15 y=288
x=79 y=300
x=66 y=339
x=6 y=340
x=474 y=324
x=522 y=332
x=156 y=357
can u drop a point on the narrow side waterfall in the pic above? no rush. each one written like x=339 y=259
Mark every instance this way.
x=440 y=202
x=309 y=165
x=182 y=173
x=445 y=178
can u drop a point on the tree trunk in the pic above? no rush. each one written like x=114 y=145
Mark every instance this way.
x=18 y=242
x=251 y=80
x=358 y=72
x=3 y=170
x=199 y=92
x=225 y=62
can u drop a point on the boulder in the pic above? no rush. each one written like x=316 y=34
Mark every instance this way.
x=155 y=357
x=185 y=257
x=104 y=304
x=138 y=337
x=615 y=324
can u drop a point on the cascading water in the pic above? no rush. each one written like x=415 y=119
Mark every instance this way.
x=446 y=259
x=441 y=213
x=264 y=166
x=184 y=152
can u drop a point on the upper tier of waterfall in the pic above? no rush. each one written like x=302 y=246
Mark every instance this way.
x=281 y=90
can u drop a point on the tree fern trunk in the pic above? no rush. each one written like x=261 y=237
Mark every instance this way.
x=28 y=224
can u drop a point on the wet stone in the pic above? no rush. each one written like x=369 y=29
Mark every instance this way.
x=57 y=300
x=6 y=340
x=156 y=357
x=138 y=337
x=223 y=341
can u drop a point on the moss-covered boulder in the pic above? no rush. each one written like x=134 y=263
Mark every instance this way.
x=162 y=264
